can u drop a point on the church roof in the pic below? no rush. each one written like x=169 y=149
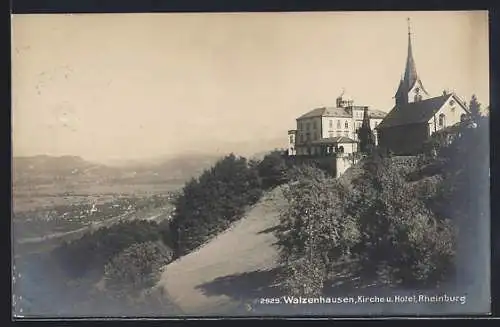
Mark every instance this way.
x=334 y=140
x=414 y=112
x=340 y=112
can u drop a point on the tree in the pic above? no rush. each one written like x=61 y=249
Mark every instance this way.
x=465 y=194
x=474 y=108
x=273 y=170
x=399 y=231
x=314 y=231
x=365 y=134
x=209 y=204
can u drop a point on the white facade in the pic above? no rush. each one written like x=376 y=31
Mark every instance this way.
x=312 y=129
x=291 y=142
x=452 y=112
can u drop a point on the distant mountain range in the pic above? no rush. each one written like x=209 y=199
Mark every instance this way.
x=43 y=169
x=46 y=169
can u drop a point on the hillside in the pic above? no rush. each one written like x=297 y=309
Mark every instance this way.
x=209 y=279
x=229 y=274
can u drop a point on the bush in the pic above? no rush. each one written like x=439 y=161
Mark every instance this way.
x=314 y=231
x=304 y=277
x=273 y=170
x=94 y=250
x=209 y=204
x=382 y=220
x=399 y=231
x=136 y=268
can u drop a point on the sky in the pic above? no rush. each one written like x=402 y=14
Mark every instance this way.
x=133 y=86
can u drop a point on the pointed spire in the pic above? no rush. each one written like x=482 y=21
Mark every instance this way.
x=366 y=119
x=410 y=76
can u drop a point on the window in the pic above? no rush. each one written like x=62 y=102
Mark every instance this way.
x=338 y=124
x=331 y=123
x=346 y=124
x=314 y=124
x=301 y=138
x=441 y=120
x=308 y=126
x=463 y=117
x=308 y=137
x=291 y=139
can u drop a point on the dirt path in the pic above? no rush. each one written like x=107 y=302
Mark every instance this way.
x=198 y=282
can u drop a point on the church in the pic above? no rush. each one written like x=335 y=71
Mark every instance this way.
x=416 y=115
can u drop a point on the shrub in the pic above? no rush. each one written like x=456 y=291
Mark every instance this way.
x=314 y=229
x=136 y=268
x=273 y=170
x=304 y=277
x=399 y=231
x=95 y=249
x=209 y=204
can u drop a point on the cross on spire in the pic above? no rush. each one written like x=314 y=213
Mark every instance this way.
x=410 y=77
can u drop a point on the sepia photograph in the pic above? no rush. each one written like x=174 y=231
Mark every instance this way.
x=250 y=164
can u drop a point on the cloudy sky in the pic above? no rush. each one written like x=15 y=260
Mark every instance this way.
x=111 y=86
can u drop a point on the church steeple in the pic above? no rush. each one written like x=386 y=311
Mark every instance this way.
x=410 y=76
x=410 y=87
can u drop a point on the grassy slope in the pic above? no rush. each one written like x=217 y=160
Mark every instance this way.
x=195 y=282
x=235 y=268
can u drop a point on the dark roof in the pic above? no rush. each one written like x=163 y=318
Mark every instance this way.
x=328 y=112
x=375 y=113
x=334 y=140
x=340 y=112
x=415 y=112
